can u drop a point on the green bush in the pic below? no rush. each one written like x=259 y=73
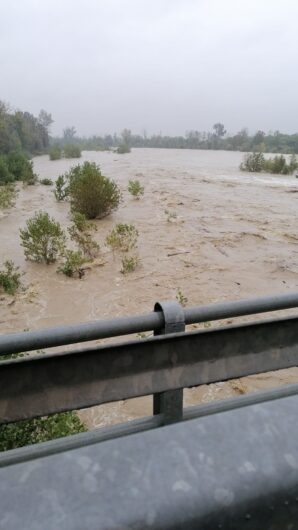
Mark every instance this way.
x=61 y=191
x=72 y=266
x=129 y=264
x=293 y=165
x=27 y=432
x=80 y=233
x=5 y=176
x=46 y=182
x=21 y=168
x=276 y=165
x=135 y=188
x=81 y=222
x=91 y=193
x=72 y=151
x=10 y=277
x=8 y=195
x=253 y=162
x=181 y=298
x=30 y=178
x=123 y=237
x=123 y=148
x=279 y=165
x=55 y=152
x=43 y=239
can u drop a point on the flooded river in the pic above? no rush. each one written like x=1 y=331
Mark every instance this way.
x=229 y=235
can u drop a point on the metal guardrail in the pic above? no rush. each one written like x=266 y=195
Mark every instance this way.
x=62 y=335
x=162 y=365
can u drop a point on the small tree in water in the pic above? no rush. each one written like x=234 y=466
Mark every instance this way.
x=43 y=239
x=91 y=193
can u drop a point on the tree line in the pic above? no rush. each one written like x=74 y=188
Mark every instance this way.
x=218 y=138
x=21 y=131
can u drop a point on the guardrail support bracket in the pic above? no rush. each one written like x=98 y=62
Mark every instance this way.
x=170 y=403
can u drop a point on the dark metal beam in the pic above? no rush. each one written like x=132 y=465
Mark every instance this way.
x=73 y=380
x=60 y=445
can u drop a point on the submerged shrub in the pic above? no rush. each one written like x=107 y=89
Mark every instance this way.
x=10 y=277
x=72 y=151
x=5 y=175
x=253 y=162
x=8 y=195
x=91 y=193
x=61 y=191
x=135 y=188
x=276 y=165
x=129 y=264
x=72 y=265
x=80 y=233
x=81 y=222
x=181 y=298
x=21 y=168
x=55 y=152
x=46 y=182
x=43 y=239
x=123 y=237
x=123 y=148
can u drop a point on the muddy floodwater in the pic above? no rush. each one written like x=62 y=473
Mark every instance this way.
x=205 y=228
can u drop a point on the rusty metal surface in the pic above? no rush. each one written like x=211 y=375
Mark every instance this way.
x=73 y=380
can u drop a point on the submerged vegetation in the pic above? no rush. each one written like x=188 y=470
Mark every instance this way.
x=61 y=191
x=72 y=151
x=80 y=233
x=16 y=166
x=129 y=264
x=91 y=193
x=43 y=239
x=10 y=277
x=135 y=188
x=72 y=264
x=217 y=138
x=123 y=237
x=8 y=195
x=256 y=162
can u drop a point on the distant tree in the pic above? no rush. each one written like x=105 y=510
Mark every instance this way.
x=69 y=133
x=258 y=138
x=45 y=119
x=126 y=136
x=219 y=129
x=125 y=144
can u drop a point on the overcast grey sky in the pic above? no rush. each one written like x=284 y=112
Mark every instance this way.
x=158 y=65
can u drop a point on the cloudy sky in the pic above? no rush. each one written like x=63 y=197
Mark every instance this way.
x=154 y=65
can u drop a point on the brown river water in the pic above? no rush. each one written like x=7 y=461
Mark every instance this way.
x=235 y=234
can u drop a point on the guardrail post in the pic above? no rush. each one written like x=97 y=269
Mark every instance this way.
x=170 y=403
